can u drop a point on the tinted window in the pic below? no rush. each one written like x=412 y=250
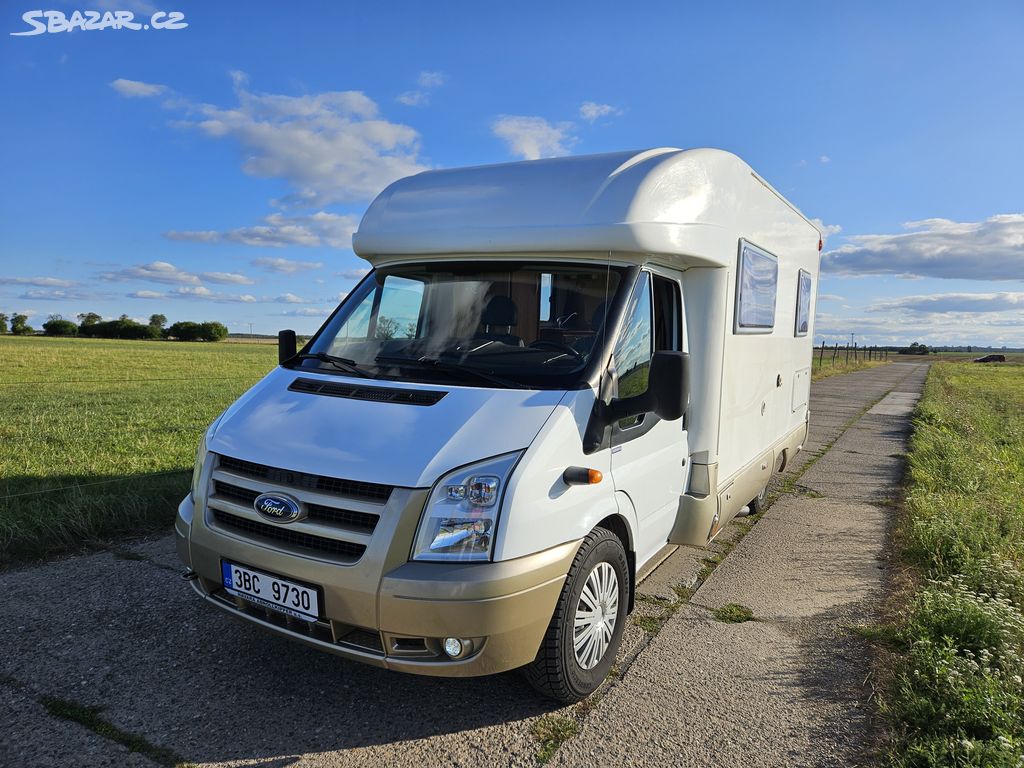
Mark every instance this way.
x=517 y=323
x=803 y=303
x=757 y=284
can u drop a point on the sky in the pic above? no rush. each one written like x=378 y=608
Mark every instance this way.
x=216 y=171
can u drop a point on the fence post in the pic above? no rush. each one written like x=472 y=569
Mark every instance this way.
x=835 y=353
x=821 y=357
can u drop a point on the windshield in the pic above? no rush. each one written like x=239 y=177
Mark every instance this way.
x=473 y=323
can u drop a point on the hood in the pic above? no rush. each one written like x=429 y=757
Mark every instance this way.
x=389 y=443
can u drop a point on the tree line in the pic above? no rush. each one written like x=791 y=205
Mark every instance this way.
x=92 y=325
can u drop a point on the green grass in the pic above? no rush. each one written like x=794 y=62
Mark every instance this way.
x=98 y=437
x=822 y=369
x=733 y=613
x=957 y=697
x=551 y=731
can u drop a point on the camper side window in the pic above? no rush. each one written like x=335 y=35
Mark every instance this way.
x=803 y=303
x=756 y=284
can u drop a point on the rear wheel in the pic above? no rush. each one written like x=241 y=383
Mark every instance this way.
x=586 y=628
x=758 y=503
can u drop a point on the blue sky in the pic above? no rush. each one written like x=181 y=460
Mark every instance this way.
x=217 y=171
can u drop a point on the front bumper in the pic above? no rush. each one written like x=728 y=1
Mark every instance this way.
x=387 y=611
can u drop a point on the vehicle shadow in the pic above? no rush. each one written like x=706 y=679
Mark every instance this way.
x=122 y=631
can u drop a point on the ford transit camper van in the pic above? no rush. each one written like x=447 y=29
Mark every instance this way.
x=553 y=370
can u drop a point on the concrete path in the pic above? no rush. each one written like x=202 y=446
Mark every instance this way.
x=117 y=636
x=786 y=689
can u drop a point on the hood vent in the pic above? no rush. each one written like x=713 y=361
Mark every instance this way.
x=374 y=394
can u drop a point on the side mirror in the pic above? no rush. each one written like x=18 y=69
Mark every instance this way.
x=286 y=346
x=669 y=383
x=668 y=390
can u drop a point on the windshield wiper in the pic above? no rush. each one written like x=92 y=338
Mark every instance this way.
x=442 y=365
x=341 y=363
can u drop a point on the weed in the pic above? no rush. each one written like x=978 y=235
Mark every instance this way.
x=957 y=696
x=733 y=613
x=552 y=731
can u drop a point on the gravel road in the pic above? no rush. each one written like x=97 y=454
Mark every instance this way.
x=119 y=632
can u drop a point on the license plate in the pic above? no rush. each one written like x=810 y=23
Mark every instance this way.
x=272 y=592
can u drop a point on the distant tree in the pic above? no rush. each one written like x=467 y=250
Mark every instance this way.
x=410 y=331
x=122 y=328
x=158 y=321
x=3 y=322
x=213 y=331
x=88 y=318
x=58 y=326
x=20 y=326
x=185 y=330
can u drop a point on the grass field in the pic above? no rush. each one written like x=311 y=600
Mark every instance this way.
x=824 y=369
x=97 y=437
x=956 y=697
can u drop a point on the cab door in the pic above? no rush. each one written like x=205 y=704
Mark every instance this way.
x=648 y=454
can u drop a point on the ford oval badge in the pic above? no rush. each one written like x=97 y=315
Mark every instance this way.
x=277 y=507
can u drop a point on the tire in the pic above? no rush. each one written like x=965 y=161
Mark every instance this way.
x=560 y=671
x=759 y=503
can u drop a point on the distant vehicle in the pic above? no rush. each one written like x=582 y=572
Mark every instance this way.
x=555 y=369
x=991 y=359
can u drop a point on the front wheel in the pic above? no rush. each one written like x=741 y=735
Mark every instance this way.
x=586 y=628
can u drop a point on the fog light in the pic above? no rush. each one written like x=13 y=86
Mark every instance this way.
x=453 y=647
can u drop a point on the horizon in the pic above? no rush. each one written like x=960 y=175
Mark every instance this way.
x=206 y=174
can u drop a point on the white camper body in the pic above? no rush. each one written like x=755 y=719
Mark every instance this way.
x=533 y=329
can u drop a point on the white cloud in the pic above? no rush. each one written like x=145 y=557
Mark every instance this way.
x=830 y=297
x=200 y=293
x=156 y=272
x=47 y=294
x=39 y=282
x=291 y=298
x=992 y=249
x=137 y=89
x=827 y=230
x=824 y=159
x=331 y=147
x=431 y=79
x=278 y=230
x=165 y=272
x=944 y=303
x=352 y=274
x=285 y=266
x=413 y=98
x=533 y=137
x=305 y=312
x=591 y=111
x=226 y=278
x=420 y=97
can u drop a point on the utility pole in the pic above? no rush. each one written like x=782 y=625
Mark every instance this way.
x=250 y=330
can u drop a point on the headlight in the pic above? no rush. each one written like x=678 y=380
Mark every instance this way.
x=460 y=518
x=197 y=470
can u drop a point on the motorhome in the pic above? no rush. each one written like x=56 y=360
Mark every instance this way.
x=554 y=370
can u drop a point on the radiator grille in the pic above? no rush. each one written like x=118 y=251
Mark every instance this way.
x=343 y=550
x=345 y=518
x=354 y=489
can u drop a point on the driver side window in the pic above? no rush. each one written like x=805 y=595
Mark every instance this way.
x=633 y=349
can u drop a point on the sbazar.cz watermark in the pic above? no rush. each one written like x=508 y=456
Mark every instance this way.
x=41 y=22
